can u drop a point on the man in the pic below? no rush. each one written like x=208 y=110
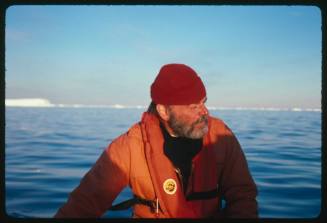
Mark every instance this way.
x=179 y=161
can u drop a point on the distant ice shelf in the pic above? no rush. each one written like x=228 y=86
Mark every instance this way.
x=41 y=102
x=28 y=102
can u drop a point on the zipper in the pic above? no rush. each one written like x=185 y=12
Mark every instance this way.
x=180 y=177
x=190 y=180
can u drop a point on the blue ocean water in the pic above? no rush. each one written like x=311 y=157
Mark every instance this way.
x=48 y=150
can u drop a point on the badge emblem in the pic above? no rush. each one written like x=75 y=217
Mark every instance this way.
x=170 y=186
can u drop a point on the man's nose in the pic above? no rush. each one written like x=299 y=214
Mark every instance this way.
x=203 y=110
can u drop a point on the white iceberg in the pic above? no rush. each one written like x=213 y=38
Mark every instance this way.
x=28 y=102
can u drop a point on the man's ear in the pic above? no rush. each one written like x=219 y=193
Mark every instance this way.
x=163 y=112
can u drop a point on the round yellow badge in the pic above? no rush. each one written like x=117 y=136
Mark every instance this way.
x=170 y=186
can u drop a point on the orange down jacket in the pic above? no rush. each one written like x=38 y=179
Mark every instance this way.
x=136 y=159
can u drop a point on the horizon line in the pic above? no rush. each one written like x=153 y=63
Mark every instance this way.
x=44 y=103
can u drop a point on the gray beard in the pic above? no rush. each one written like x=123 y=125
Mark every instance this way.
x=188 y=131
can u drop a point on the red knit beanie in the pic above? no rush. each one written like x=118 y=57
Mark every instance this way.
x=177 y=84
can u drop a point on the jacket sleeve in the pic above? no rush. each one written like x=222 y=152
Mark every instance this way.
x=101 y=184
x=238 y=187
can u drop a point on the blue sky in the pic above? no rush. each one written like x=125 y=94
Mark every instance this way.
x=247 y=56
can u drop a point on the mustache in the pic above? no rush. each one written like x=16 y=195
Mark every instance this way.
x=203 y=118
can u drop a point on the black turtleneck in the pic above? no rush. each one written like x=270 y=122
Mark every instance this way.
x=180 y=151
